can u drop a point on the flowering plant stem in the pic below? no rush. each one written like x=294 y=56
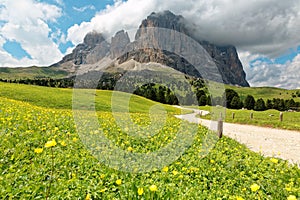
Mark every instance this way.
x=52 y=168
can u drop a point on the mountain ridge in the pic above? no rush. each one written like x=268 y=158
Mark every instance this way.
x=121 y=50
x=95 y=47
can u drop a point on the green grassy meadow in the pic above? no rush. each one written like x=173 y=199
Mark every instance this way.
x=62 y=98
x=31 y=72
x=42 y=156
x=268 y=118
x=264 y=92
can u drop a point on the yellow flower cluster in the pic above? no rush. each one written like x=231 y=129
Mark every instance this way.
x=153 y=188
x=165 y=169
x=274 y=160
x=38 y=150
x=119 y=182
x=292 y=197
x=51 y=143
x=140 y=191
x=254 y=187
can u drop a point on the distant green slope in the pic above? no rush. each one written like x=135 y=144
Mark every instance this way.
x=62 y=98
x=264 y=92
x=31 y=72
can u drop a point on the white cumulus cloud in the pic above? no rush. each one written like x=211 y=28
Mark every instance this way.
x=262 y=73
x=84 y=8
x=26 y=23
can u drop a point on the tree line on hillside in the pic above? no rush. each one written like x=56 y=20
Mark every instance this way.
x=157 y=93
x=198 y=95
x=47 y=82
x=234 y=101
x=164 y=93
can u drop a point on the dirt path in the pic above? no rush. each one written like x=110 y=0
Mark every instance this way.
x=278 y=143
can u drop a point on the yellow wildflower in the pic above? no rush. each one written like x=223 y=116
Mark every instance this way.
x=51 y=143
x=274 y=160
x=38 y=150
x=129 y=149
x=291 y=197
x=103 y=190
x=140 y=191
x=75 y=139
x=239 y=198
x=288 y=189
x=88 y=197
x=165 y=169
x=63 y=143
x=254 y=187
x=175 y=172
x=119 y=182
x=153 y=188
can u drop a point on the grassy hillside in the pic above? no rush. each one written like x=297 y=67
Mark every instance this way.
x=62 y=98
x=43 y=157
x=31 y=72
x=265 y=92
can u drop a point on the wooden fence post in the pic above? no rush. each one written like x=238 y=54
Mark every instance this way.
x=251 y=115
x=281 y=117
x=233 y=115
x=220 y=128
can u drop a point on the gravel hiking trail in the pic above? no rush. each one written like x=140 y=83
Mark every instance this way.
x=269 y=142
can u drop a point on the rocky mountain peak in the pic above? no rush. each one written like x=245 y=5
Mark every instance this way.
x=81 y=53
x=92 y=39
x=225 y=57
x=166 y=19
x=119 y=43
x=94 y=48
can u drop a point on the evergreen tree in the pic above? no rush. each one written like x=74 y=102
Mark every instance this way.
x=208 y=101
x=269 y=104
x=249 y=102
x=260 y=105
x=229 y=95
x=203 y=100
x=199 y=94
x=161 y=94
x=276 y=103
x=281 y=105
x=235 y=103
x=291 y=104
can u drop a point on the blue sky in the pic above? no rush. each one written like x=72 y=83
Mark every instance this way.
x=76 y=12
x=41 y=32
x=73 y=12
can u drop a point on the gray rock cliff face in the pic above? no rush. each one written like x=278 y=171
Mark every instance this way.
x=225 y=57
x=118 y=44
x=91 y=43
x=94 y=48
